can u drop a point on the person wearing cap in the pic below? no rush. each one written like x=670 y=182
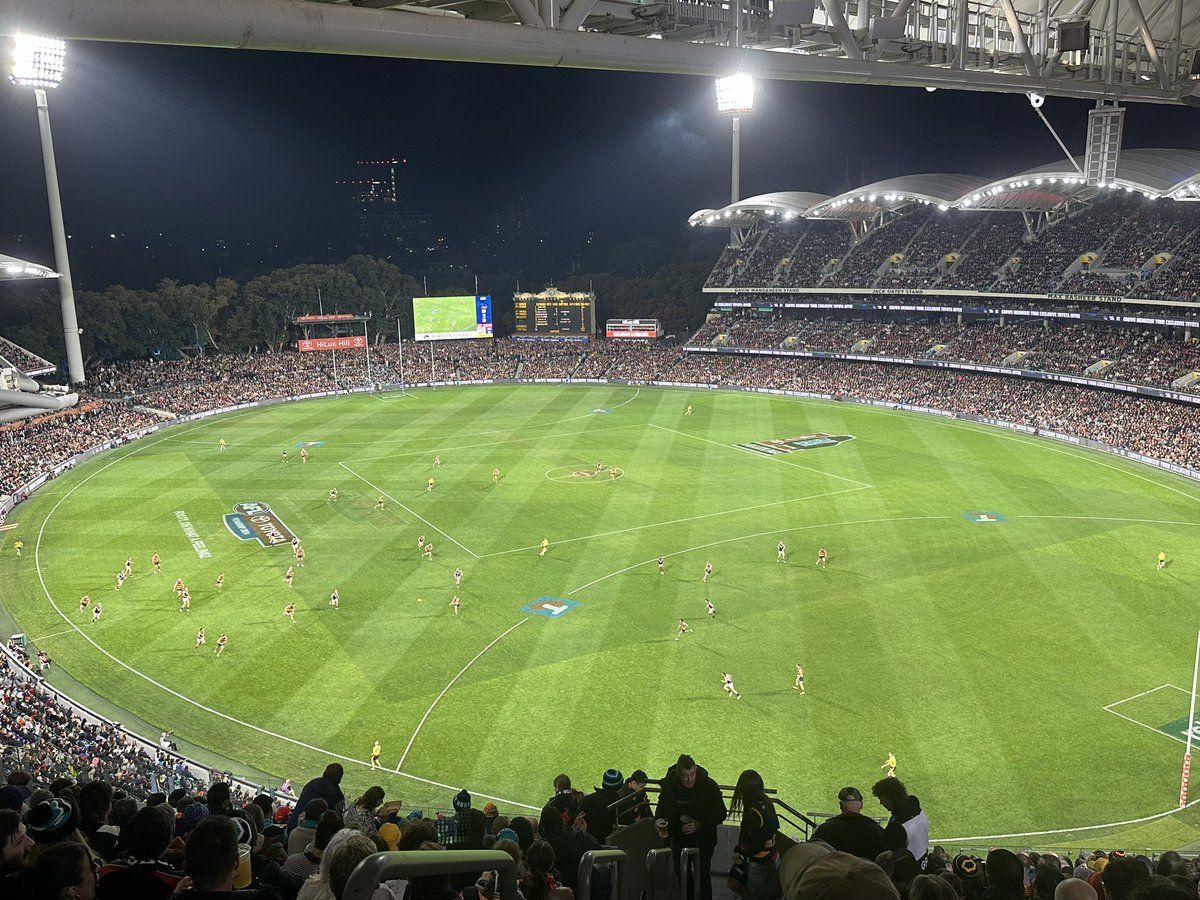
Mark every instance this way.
x=850 y=831
x=598 y=806
x=635 y=805
x=691 y=803
x=908 y=826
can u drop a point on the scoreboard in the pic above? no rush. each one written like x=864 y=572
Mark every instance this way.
x=553 y=313
x=635 y=329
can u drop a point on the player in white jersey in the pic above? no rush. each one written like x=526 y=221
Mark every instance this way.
x=727 y=679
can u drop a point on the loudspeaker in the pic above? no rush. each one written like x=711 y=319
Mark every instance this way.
x=1074 y=36
x=794 y=12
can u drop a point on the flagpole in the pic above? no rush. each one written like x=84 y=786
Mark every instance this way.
x=1187 y=755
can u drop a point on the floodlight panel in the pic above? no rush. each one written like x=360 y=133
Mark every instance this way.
x=735 y=94
x=38 y=61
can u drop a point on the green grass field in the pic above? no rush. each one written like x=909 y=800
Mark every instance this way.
x=984 y=654
x=444 y=315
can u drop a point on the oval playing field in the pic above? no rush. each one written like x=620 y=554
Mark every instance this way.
x=991 y=611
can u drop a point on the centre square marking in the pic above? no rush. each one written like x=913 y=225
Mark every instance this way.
x=980 y=517
x=550 y=607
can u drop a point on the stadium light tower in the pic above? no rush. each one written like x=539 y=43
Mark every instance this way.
x=735 y=98
x=38 y=63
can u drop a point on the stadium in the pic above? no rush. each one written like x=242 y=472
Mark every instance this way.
x=921 y=483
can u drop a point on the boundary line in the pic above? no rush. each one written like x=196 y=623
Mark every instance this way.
x=409 y=510
x=421 y=724
x=124 y=665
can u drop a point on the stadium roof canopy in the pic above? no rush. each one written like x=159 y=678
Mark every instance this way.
x=895 y=194
x=1064 y=48
x=1155 y=173
x=781 y=205
x=13 y=269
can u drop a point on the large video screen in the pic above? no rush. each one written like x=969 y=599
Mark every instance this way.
x=566 y=317
x=452 y=318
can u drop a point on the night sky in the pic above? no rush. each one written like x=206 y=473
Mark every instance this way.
x=244 y=145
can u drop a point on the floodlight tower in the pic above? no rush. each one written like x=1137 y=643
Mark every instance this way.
x=38 y=63
x=735 y=98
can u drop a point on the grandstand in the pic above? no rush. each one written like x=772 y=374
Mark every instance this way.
x=1039 y=234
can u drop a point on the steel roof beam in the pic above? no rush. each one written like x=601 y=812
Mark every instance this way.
x=1135 y=7
x=300 y=26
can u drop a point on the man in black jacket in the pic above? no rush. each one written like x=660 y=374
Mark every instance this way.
x=850 y=831
x=692 y=805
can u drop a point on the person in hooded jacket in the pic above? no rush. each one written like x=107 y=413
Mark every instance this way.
x=691 y=803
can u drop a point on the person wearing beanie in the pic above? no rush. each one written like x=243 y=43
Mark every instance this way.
x=465 y=829
x=52 y=821
x=11 y=797
x=850 y=831
x=192 y=815
x=599 y=806
x=490 y=811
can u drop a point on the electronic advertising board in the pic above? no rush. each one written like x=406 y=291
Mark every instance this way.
x=554 y=314
x=636 y=329
x=452 y=318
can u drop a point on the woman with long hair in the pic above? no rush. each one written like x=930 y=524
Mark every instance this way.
x=756 y=839
x=541 y=882
x=362 y=814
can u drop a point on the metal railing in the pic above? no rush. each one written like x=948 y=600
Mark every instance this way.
x=613 y=860
x=659 y=873
x=689 y=870
x=380 y=867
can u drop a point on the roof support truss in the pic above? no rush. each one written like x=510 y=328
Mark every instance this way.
x=1135 y=7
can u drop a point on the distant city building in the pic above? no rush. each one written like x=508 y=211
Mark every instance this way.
x=381 y=222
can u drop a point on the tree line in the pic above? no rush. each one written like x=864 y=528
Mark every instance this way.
x=172 y=319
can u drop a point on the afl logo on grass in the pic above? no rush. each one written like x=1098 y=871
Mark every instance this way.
x=255 y=521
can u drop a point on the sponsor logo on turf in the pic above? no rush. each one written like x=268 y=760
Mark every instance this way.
x=981 y=517
x=1178 y=729
x=792 y=444
x=256 y=521
x=550 y=607
x=303 y=444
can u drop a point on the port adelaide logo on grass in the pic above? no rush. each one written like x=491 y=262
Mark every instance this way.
x=792 y=444
x=255 y=521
